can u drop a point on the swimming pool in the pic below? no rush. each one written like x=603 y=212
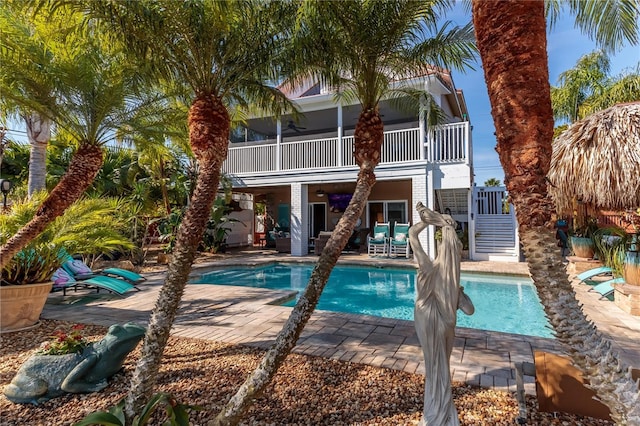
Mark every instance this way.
x=503 y=303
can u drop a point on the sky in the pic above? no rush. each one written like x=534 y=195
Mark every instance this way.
x=565 y=45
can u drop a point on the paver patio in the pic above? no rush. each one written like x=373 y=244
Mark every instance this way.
x=247 y=316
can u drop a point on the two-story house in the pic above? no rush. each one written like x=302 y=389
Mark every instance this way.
x=303 y=171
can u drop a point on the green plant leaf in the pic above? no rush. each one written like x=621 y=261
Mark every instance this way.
x=101 y=418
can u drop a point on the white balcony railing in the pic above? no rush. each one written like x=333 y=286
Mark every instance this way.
x=448 y=143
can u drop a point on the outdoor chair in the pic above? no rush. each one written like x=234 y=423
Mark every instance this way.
x=399 y=243
x=587 y=275
x=321 y=241
x=605 y=288
x=80 y=271
x=378 y=243
x=62 y=279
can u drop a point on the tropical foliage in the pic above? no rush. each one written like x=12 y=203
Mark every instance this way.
x=588 y=87
x=175 y=413
x=85 y=228
x=217 y=55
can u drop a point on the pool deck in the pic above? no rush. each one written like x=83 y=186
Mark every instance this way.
x=246 y=316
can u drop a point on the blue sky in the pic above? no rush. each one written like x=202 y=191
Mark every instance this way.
x=565 y=45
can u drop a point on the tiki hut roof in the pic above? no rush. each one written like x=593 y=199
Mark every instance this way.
x=597 y=161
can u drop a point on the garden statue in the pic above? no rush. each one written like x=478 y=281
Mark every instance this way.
x=43 y=377
x=439 y=296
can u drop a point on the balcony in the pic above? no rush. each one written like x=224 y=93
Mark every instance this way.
x=446 y=144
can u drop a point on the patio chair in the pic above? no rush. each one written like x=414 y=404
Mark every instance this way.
x=605 y=288
x=62 y=279
x=80 y=270
x=399 y=243
x=587 y=275
x=378 y=243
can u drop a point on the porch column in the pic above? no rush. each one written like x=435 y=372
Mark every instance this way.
x=339 y=156
x=467 y=143
x=278 y=142
x=472 y=222
x=422 y=128
x=299 y=219
x=422 y=190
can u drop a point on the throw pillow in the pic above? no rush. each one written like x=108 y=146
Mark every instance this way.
x=78 y=267
x=401 y=237
x=379 y=236
x=60 y=277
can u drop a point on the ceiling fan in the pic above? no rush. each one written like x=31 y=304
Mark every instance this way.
x=292 y=126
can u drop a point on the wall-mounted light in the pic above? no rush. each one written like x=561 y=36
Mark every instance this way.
x=320 y=193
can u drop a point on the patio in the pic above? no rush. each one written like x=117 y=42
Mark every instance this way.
x=246 y=316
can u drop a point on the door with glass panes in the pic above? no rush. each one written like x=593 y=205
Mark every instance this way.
x=387 y=211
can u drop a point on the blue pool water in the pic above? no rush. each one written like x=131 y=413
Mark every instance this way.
x=503 y=303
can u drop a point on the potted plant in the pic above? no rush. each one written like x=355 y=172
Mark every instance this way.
x=26 y=279
x=632 y=255
x=581 y=239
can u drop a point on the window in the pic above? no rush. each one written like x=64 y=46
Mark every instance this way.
x=386 y=211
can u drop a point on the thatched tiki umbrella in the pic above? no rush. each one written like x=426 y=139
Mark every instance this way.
x=597 y=161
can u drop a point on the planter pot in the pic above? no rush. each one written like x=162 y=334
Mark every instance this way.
x=631 y=270
x=582 y=247
x=21 y=305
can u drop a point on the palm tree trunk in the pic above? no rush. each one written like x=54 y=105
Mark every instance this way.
x=163 y=188
x=83 y=169
x=39 y=134
x=209 y=139
x=368 y=137
x=511 y=37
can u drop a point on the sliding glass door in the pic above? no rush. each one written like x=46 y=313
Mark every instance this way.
x=386 y=211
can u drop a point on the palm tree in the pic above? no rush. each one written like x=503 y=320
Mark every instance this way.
x=511 y=37
x=220 y=54
x=577 y=84
x=96 y=93
x=492 y=182
x=26 y=48
x=366 y=47
x=588 y=88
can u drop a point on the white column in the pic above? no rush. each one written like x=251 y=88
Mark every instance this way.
x=420 y=190
x=340 y=135
x=422 y=131
x=472 y=223
x=299 y=219
x=467 y=143
x=278 y=142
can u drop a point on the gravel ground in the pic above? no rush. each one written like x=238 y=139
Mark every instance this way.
x=306 y=391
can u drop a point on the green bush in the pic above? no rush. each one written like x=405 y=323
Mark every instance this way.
x=87 y=228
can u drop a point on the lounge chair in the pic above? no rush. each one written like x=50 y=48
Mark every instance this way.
x=605 y=288
x=399 y=243
x=587 y=275
x=378 y=243
x=62 y=279
x=79 y=270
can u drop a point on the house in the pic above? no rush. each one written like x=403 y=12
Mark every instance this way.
x=302 y=172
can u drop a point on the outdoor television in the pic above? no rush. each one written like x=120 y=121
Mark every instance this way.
x=339 y=202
